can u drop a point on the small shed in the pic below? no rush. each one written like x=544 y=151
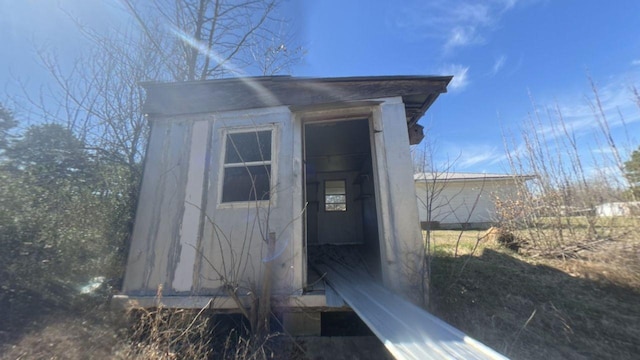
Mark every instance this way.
x=245 y=172
x=291 y=196
x=462 y=200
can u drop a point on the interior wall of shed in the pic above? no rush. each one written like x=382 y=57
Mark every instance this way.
x=341 y=151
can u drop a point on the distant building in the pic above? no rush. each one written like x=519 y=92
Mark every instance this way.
x=618 y=209
x=462 y=200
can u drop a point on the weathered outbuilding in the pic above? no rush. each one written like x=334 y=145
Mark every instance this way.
x=245 y=172
x=451 y=200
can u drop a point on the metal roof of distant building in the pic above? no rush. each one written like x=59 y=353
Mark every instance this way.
x=467 y=176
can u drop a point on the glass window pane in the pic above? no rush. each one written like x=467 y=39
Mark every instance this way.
x=334 y=187
x=336 y=199
x=335 y=207
x=248 y=147
x=335 y=195
x=246 y=183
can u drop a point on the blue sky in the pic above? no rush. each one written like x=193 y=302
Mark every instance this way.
x=502 y=53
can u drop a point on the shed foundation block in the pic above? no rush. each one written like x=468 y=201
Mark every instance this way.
x=302 y=323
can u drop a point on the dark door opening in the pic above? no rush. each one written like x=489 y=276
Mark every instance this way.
x=340 y=194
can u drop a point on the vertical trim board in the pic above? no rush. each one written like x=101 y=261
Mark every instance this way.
x=190 y=224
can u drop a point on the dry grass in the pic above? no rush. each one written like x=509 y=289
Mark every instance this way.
x=164 y=333
x=526 y=307
x=159 y=333
x=531 y=308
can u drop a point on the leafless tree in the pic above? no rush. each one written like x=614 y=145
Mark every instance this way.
x=432 y=199
x=555 y=213
x=98 y=96
x=203 y=39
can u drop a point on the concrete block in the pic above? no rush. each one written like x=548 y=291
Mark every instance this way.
x=302 y=323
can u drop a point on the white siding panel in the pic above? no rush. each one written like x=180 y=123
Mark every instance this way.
x=168 y=208
x=233 y=248
x=159 y=210
x=403 y=241
x=190 y=227
x=140 y=242
x=461 y=201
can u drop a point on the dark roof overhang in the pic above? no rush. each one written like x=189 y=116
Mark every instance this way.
x=219 y=95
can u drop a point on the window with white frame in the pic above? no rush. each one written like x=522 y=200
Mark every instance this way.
x=335 y=195
x=247 y=166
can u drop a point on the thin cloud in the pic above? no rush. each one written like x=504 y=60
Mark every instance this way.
x=462 y=36
x=580 y=111
x=498 y=65
x=586 y=132
x=460 y=76
x=476 y=158
x=635 y=62
x=617 y=104
x=469 y=157
x=607 y=150
x=455 y=23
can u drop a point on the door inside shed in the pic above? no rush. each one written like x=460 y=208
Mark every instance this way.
x=341 y=216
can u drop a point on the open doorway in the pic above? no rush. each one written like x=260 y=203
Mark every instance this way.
x=341 y=217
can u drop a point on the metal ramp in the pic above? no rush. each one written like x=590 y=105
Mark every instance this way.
x=407 y=331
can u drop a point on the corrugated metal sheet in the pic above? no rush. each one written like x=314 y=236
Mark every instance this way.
x=332 y=298
x=407 y=331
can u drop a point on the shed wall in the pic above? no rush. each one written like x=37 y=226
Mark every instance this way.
x=401 y=240
x=461 y=202
x=233 y=244
x=190 y=243
x=153 y=253
x=185 y=239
